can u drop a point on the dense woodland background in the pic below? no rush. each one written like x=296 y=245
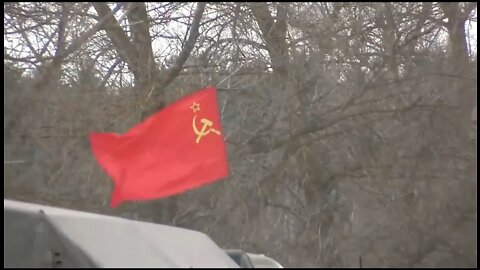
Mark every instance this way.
x=351 y=127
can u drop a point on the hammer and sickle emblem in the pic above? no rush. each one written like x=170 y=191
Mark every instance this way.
x=205 y=130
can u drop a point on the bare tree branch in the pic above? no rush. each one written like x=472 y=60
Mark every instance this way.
x=169 y=75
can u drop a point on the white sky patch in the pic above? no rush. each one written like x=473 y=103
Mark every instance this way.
x=471 y=32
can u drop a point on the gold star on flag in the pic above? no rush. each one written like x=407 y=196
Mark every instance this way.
x=195 y=107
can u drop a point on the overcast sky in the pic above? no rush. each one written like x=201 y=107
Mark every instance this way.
x=162 y=47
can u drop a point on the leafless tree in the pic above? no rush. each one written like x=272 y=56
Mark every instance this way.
x=349 y=125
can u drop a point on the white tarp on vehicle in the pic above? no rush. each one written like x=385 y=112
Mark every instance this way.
x=43 y=236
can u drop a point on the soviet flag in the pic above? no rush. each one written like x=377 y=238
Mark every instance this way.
x=176 y=149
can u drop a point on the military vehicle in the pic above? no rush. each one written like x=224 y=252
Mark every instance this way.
x=50 y=237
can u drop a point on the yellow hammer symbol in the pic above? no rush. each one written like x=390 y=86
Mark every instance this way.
x=206 y=128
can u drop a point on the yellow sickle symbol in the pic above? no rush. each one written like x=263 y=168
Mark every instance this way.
x=206 y=128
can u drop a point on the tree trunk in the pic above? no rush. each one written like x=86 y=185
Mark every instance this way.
x=464 y=88
x=274 y=34
x=458 y=63
x=143 y=63
x=387 y=24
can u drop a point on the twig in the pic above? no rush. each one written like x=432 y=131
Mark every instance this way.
x=223 y=107
x=14 y=162
x=233 y=73
x=319 y=241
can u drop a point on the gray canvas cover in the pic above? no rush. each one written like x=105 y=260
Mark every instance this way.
x=43 y=236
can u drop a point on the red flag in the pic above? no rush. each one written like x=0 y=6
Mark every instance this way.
x=177 y=149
